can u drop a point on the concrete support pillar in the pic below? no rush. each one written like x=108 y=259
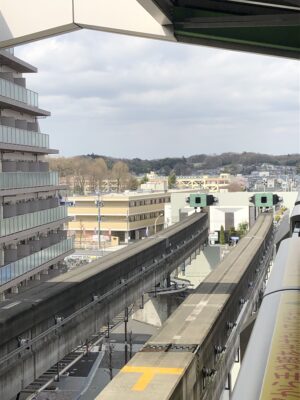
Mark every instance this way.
x=168 y=280
x=126 y=237
x=2 y=296
x=45 y=272
x=37 y=277
x=15 y=289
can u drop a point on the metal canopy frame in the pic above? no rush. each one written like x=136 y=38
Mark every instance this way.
x=270 y=27
x=260 y=26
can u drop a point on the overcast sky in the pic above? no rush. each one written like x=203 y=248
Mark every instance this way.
x=131 y=97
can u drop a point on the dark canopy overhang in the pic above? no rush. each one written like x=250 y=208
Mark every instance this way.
x=260 y=26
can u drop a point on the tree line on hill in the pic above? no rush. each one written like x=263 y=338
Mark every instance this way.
x=233 y=163
x=94 y=170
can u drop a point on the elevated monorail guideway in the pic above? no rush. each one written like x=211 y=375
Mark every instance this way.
x=191 y=355
x=48 y=321
x=270 y=27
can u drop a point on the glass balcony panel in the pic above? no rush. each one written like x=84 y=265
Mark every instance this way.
x=20 y=223
x=17 y=92
x=18 y=268
x=15 y=180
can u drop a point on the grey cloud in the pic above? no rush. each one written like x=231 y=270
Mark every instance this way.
x=135 y=97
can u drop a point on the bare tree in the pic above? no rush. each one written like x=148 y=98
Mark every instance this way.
x=81 y=172
x=98 y=171
x=120 y=172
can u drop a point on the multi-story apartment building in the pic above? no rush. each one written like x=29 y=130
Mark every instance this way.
x=209 y=183
x=32 y=238
x=128 y=216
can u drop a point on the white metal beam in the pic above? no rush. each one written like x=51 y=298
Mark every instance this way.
x=24 y=21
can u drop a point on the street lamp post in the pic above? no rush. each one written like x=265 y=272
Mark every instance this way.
x=159 y=215
x=99 y=205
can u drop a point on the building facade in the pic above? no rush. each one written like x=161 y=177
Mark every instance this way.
x=155 y=183
x=209 y=183
x=32 y=238
x=231 y=210
x=127 y=216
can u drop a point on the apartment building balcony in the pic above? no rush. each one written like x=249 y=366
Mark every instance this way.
x=29 y=206
x=8 y=58
x=18 y=92
x=19 y=98
x=16 y=139
x=21 y=180
x=34 y=263
x=23 y=137
x=24 y=166
x=19 y=223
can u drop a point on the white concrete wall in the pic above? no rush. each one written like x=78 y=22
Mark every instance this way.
x=217 y=216
x=237 y=202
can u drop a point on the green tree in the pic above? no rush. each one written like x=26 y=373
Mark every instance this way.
x=222 y=235
x=231 y=232
x=172 y=180
x=242 y=229
x=144 y=179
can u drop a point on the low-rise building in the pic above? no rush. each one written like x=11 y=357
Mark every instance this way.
x=155 y=182
x=127 y=216
x=209 y=183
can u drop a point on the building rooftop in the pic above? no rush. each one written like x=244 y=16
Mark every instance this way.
x=120 y=196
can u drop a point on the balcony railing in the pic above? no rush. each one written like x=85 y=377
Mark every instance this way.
x=23 y=137
x=20 y=267
x=16 y=180
x=19 y=223
x=17 y=92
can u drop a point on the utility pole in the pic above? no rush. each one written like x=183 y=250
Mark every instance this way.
x=110 y=351
x=99 y=205
x=130 y=345
x=125 y=334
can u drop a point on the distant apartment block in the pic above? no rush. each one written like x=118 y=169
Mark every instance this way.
x=155 y=183
x=32 y=238
x=107 y=185
x=127 y=216
x=208 y=183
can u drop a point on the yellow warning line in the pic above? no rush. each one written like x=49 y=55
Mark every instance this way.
x=148 y=373
x=282 y=376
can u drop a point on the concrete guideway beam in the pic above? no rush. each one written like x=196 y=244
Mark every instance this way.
x=26 y=21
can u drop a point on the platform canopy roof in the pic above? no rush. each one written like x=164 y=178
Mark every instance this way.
x=260 y=26
x=270 y=27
